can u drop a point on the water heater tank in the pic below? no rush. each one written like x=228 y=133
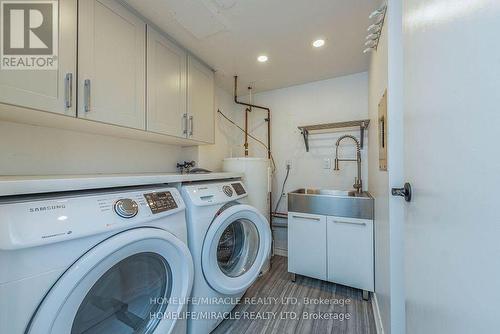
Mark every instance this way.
x=257 y=180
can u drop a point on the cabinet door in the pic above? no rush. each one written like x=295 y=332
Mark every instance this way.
x=111 y=64
x=48 y=90
x=200 y=101
x=166 y=86
x=307 y=245
x=350 y=252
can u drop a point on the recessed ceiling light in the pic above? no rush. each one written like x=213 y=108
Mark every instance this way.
x=262 y=59
x=318 y=43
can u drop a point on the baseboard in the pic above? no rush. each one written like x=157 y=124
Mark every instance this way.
x=376 y=315
x=280 y=252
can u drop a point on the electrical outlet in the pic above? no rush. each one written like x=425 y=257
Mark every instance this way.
x=327 y=163
x=289 y=164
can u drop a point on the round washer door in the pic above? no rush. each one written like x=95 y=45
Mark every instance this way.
x=134 y=282
x=236 y=247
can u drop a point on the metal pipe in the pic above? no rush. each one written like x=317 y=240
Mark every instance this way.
x=243 y=103
x=268 y=120
x=246 y=132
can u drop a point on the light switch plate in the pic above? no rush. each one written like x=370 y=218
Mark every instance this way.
x=327 y=163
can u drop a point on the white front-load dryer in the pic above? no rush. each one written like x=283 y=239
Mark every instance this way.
x=110 y=261
x=230 y=242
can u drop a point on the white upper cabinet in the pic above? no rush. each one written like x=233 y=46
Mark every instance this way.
x=166 y=104
x=47 y=90
x=201 y=120
x=111 y=64
x=111 y=68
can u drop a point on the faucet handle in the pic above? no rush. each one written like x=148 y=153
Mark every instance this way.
x=357 y=184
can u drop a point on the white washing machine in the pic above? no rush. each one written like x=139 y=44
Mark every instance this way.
x=110 y=261
x=229 y=241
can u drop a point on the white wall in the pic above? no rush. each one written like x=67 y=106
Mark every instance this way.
x=35 y=150
x=378 y=184
x=339 y=99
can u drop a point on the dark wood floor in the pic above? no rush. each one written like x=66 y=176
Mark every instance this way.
x=259 y=303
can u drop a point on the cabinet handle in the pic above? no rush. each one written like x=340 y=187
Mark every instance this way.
x=184 y=124
x=307 y=218
x=86 y=95
x=68 y=90
x=191 y=126
x=351 y=223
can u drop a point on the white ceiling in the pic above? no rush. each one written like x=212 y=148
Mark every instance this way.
x=229 y=35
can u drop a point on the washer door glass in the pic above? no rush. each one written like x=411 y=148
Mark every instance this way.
x=235 y=248
x=120 y=301
x=238 y=247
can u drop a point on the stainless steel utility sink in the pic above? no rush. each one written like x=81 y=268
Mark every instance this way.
x=331 y=202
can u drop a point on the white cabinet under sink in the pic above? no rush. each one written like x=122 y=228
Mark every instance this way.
x=350 y=252
x=334 y=249
x=307 y=245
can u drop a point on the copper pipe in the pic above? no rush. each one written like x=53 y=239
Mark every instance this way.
x=246 y=132
x=268 y=120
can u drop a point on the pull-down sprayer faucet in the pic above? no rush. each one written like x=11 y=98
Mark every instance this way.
x=358 y=184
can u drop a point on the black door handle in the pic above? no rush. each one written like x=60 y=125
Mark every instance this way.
x=403 y=192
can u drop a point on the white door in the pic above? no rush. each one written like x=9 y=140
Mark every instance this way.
x=201 y=120
x=126 y=284
x=236 y=247
x=166 y=78
x=48 y=90
x=451 y=78
x=111 y=64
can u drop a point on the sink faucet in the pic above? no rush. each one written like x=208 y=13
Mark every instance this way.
x=358 y=184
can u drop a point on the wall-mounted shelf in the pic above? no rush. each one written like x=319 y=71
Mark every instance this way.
x=306 y=130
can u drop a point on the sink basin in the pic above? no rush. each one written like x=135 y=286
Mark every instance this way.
x=330 y=192
x=337 y=192
x=331 y=202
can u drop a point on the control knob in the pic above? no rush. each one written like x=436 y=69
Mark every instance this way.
x=228 y=191
x=126 y=208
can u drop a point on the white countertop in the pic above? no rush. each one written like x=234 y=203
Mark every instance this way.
x=20 y=185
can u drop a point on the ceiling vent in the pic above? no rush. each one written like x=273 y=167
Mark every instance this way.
x=225 y=4
x=200 y=18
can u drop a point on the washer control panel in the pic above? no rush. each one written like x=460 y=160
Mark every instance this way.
x=238 y=187
x=47 y=218
x=160 y=201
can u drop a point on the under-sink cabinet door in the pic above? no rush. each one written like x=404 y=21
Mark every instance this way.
x=166 y=82
x=111 y=64
x=307 y=245
x=350 y=252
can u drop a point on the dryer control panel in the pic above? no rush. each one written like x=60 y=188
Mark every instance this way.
x=214 y=193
